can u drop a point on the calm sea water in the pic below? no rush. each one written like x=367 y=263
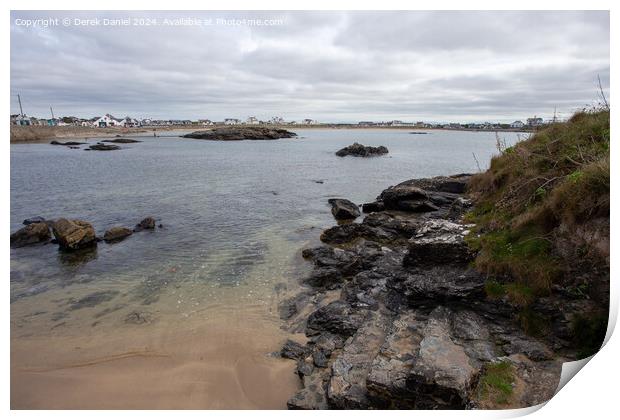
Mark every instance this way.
x=235 y=215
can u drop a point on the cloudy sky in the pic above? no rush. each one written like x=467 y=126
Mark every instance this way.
x=329 y=66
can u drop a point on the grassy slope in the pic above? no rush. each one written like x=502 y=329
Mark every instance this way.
x=542 y=212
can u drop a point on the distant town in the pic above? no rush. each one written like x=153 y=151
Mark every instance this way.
x=108 y=120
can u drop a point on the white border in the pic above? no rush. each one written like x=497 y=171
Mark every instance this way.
x=591 y=395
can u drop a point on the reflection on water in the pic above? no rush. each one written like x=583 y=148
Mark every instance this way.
x=234 y=215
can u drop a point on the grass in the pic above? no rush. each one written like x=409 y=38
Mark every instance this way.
x=559 y=177
x=496 y=382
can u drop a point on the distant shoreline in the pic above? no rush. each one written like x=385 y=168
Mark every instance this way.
x=39 y=134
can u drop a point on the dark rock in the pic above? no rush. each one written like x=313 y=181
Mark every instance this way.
x=305 y=367
x=360 y=150
x=293 y=350
x=116 y=233
x=343 y=209
x=373 y=207
x=148 y=223
x=73 y=234
x=320 y=358
x=337 y=318
x=241 y=133
x=440 y=285
x=343 y=233
x=438 y=242
x=291 y=306
x=325 y=277
x=533 y=349
x=68 y=143
x=103 y=147
x=122 y=141
x=33 y=233
x=36 y=219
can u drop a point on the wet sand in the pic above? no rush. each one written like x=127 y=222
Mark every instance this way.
x=219 y=362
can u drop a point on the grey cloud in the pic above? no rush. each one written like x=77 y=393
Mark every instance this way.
x=331 y=66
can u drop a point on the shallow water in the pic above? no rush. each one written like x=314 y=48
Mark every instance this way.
x=195 y=300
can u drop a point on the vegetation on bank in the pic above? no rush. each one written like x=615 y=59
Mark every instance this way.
x=495 y=386
x=542 y=214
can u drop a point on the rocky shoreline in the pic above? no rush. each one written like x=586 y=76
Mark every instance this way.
x=396 y=317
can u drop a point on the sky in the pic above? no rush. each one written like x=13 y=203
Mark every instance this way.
x=439 y=66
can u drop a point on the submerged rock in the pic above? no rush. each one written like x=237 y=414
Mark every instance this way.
x=344 y=209
x=241 y=133
x=148 y=223
x=68 y=143
x=103 y=147
x=116 y=234
x=36 y=219
x=73 y=234
x=122 y=141
x=357 y=149
x=32 y=233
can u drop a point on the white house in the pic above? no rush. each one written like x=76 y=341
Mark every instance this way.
x=252 y=120
x=231 y=121
x=107 y=121
x=517 y=124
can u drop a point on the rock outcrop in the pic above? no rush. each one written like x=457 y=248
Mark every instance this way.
x=344 y=209
x=73 y=234
x=357 y=149
x=241 y=133
x=122 y=141
x=148 y=223
x=395 y=317
x=116 y=234
x=32 y=233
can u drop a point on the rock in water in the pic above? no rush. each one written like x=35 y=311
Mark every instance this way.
x=36 y=219
x=241 y=133
x=103 y=147
x=68 y=143
x=31 y=234
x=116 y=233
x=122 y=141
x=148 y=223
x=360 y=150
x=73 y=234
x=344 y=209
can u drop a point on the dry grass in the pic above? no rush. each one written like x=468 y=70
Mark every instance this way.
x=558 y=177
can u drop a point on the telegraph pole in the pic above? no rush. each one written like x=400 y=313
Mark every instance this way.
x=52 y=111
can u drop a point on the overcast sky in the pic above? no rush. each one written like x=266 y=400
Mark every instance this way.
x=329 y=66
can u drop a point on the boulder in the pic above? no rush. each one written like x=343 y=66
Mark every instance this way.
x=373 y=207
x=148 y=223
x=344 y=209
x=357 y=149
x=32 y=233
x=73 y=234
x=116 y=233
